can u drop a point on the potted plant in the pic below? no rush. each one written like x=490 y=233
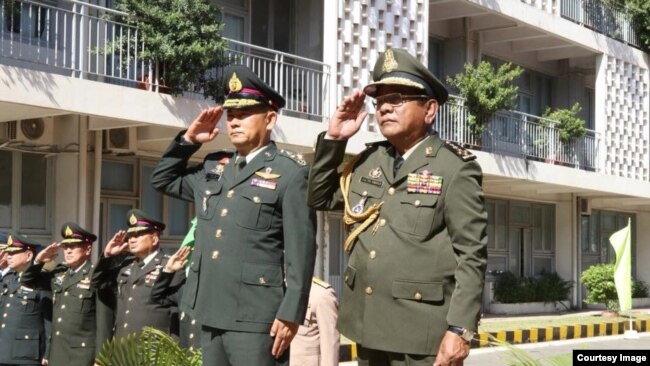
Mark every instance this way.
x=568 y=125
x=182 y=40
x=486 y=90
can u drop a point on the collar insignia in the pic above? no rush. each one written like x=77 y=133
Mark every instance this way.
x=428 y=151
x=375 y=173
x=234 y=84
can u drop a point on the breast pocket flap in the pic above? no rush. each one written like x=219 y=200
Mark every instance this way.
x=262 y=274
x=420 y=200
x=260 y=195
x=418 y=291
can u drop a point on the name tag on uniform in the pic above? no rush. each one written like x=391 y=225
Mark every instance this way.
x=424 y=182
x=374 y=182
x=83 y=286
x=263 y=183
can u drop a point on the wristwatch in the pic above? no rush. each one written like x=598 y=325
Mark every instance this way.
x=466 y=334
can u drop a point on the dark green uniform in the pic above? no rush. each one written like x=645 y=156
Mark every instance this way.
x=76 y=316
x=420 y=265
x=133 y=284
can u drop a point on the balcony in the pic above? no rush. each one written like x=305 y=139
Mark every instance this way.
x=79 y=40
x=518 y=134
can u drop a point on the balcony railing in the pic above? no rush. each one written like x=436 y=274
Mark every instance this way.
x=78 y=39
x=602 y=18
x=302 y=81
x=518 y=134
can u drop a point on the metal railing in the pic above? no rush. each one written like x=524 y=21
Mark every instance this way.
x=80 y=40
x=602 y=18
x=518 y=134
x=303 y=82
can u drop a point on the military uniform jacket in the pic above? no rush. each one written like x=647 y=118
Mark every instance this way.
x=76 y=313
x=248 y=227
x=421 y=265
x=134 y=283
x=25 y=327
x=317 y=341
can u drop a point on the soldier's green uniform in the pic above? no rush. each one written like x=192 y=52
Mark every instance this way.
x=418 y=265
x=77 y=314
x=251 y=227
x=26 y=314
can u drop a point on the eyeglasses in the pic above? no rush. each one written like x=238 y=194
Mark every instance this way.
x=396 y=99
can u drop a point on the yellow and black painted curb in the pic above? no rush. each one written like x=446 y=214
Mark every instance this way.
x=534 y=335
x=348 y=352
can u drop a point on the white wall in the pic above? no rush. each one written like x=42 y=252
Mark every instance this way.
x=643 y=246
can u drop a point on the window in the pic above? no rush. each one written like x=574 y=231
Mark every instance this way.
x=118 y=177
x=435 y=57
x=24 y=192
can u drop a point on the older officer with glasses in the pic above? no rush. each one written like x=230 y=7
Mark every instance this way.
x=414 y=208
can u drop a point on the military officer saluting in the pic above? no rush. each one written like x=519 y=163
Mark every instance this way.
x=134 y=275
x=317 y=342
x=77 y=311
x=417 y=221
x=253 y=222
x=26 y=311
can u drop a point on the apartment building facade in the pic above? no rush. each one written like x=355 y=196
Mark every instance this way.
x=81 y=133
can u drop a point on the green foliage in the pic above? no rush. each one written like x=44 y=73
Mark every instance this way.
x=548 y=287
x=182 y=37
x=639 y=10
x=486 y=89
x=639 y=289
x=570 y=125
x=152 y=347
x=599 y=282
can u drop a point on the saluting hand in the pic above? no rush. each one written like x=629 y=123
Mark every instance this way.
x=49 y=253
x=347 y=118
x=283 y=331
x=178 y=260
x=204 y=128
x=117 y=245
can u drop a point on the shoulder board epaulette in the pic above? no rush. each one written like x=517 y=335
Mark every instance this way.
x=377 y=143
x=321 y=283
x=298 y=158
x=461 y=152
x=217 y=156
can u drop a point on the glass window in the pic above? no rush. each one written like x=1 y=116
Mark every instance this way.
x=542 y=264
x=497 y=264
x=584 y=234
x=519 y=213
x=435 y=57
x=6 y=165
x=501 y=228
x=117 y=176
x=179 y=217
x=233 y=27
x=152 y=200
x=33 y=192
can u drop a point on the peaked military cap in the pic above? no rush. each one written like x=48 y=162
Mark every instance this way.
x=245 y=89
x=3 y=240
x=75 y=234
x=138 y=221
x=18 y=243
x=398 y=67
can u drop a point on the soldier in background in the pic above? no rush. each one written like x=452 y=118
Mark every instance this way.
x=26 y=311
x=317 y=342
x=4 y=265
x=78 y=313
x=131 y=263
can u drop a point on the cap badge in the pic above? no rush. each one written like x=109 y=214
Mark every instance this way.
x=68 y=231
x=389 y=61
x=10 y=241
x=234 y=84
x=133 y=220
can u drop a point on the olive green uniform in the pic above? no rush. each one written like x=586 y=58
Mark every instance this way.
x=77 y=314
x=419 y=267
x=251 y=226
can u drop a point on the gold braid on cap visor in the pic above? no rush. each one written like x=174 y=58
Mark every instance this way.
x=349 y=218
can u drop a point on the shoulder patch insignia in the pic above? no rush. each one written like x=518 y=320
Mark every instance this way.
x=461 y=152
x=321 y=283
x=298 y=158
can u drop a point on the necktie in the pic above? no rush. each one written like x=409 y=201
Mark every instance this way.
x=240 y=163
x=397 y=164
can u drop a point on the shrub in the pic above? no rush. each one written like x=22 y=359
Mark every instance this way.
x=599 y=282
x=548 y=287
x=570 y=126
x=639 y=289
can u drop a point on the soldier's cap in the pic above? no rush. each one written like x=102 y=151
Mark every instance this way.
x=74 y=234
x=398 y=67
x=3 y=240
x=138 y=221
x=245 y=89
x=19 y=243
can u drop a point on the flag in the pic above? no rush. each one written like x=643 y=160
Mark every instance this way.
x=621 y=241
x=188 y=241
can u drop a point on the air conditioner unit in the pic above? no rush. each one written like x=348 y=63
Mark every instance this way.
x=120 y=140
x=585 y=206
x=33 y=131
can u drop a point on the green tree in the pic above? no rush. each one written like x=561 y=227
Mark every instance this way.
x=486 y=90
x=639 y=11
x=570 y=125
x=182 y=38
